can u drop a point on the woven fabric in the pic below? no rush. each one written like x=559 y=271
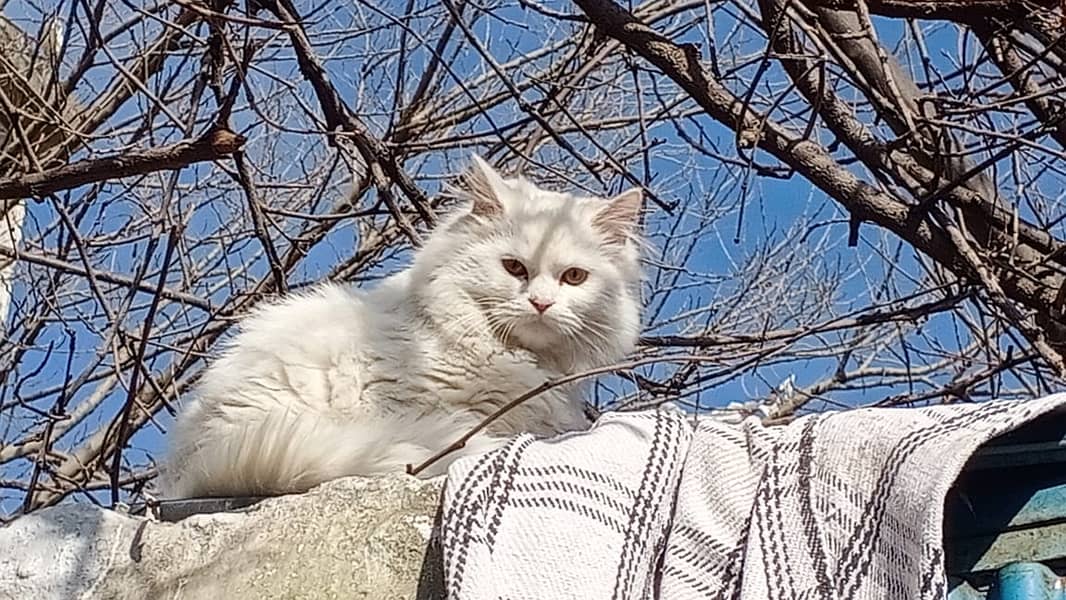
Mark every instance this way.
x=834 y=506
x=537 y=519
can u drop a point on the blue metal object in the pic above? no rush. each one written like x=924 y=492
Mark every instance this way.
x=1027 y=581
x=1016 y=581
x=1005 y=519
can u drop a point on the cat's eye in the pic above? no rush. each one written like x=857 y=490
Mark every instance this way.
x=515 y=268
x=574 y=276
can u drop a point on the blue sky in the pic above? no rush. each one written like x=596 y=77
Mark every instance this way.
x=772 y=207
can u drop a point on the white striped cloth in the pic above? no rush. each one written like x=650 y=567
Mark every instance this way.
x=833 y=506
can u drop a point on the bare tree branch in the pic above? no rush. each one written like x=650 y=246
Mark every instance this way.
x=217 y=143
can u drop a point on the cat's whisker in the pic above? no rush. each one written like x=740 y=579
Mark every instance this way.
x=472 y=324
x=598 y=332
x=508 y=328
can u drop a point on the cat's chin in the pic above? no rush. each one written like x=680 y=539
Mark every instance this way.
x=537 y=335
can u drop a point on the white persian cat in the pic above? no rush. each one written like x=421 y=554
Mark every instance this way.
x=518 y=286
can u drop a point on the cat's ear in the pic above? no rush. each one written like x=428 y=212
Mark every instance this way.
x=620 y=219
x=483 y=186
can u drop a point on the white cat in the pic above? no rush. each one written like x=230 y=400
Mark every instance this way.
x=516 y=287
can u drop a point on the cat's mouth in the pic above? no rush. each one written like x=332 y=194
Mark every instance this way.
x=539 y=320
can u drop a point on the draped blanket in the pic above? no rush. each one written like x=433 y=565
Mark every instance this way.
x=644 y=505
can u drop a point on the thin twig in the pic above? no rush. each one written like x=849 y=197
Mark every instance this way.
x=134 y=385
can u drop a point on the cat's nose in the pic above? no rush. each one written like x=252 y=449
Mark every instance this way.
x=540 y=304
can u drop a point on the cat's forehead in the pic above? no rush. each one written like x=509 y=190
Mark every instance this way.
x=548 y=230
x=530 y=204
x=523 y=194
x=543 y=225
x=551 y=235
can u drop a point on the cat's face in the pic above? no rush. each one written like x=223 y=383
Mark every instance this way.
x=553 y=273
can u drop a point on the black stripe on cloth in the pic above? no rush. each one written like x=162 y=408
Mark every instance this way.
x=502 y=483
x=457 y=531
x=811 y=532
x=571 y=506
x=573 y=488
x=767 y=505
x=552 y=471
x=663 y=452
x=856 y=557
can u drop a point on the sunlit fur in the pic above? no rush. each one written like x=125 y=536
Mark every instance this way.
x=336 y=382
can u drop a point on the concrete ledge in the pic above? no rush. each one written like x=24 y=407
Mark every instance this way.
x=350 y=538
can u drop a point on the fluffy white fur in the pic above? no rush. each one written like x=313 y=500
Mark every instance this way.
x=337 y=382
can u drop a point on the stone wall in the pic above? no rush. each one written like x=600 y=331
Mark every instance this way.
x=350 y=538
